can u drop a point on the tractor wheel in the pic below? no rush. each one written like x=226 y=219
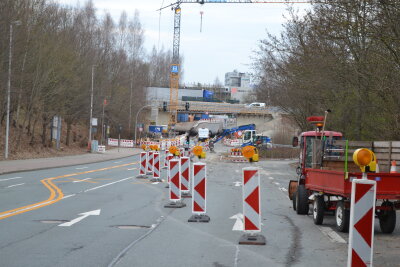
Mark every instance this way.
x=342 y=217
x=302 y=206
x=318 y=210
x=387 y=218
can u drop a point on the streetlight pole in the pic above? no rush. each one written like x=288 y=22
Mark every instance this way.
x=9 y=88
x=137 y=115
x=91 y=109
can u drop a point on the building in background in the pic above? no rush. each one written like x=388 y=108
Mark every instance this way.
x=239 y=85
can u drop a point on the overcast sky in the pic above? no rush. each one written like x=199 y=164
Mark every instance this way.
x=229 y=37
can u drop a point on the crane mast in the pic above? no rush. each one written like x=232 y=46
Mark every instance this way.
x=175 y=65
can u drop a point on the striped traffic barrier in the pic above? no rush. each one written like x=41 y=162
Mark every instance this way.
x=156 y=167
x=199 y=193
x=166 y=158
x=251 y=208
x=174 y=185
x=185 y=176
x=362 y=217
x=143 y=165
x=150 y=162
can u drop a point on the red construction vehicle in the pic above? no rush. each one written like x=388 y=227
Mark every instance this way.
x=326 y=169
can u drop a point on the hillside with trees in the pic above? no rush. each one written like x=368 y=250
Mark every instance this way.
x=54 y=50
x=343 y=56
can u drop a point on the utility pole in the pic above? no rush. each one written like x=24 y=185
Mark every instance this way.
x=91 y=110
x=9 y=88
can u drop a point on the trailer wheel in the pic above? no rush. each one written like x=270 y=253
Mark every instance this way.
x=318 y=210
x=342 y=217
x=294 y=200
x=387 y=218
x=302 y=206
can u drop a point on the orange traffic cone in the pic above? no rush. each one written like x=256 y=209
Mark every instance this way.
x=393 y=167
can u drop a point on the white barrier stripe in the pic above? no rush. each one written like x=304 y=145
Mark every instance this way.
x=363 y=205
x=361 y=247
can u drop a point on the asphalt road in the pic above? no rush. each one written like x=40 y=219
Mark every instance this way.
x=100 y=214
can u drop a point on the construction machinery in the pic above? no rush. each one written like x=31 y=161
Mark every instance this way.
x=327 y=166
x=175 y=66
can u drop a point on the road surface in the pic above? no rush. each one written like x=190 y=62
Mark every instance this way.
x=100 y=214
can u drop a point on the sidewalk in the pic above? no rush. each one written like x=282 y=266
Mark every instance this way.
x=9 y=166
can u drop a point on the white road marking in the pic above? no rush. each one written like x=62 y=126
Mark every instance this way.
x=236 y=256
x=69 y=196
x=80 y=181
x=14 y=185
x=155 y=183
x=332 y=235
x=283 y=189
x=271 y=178
x=277 y=183
x=117 y=162
x=237 y=171
x=97 y=187
x=238 y=226
x=131 y=169
x=237 y=183
x=81 y=168
x=83 y=216
x=7 y=179
x=28 y=208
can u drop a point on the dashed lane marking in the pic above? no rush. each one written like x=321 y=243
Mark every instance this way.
x=271 y=178
x=55 y=193
x=83 y=180
x=131 y=169
x=14 y=185
x=81 y=168
x=68 y=196
x=276 y=183
x=7 y=179
x=104 y=185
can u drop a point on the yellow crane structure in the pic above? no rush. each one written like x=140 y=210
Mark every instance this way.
x=175 y=66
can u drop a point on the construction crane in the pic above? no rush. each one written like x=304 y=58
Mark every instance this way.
x=175 y=66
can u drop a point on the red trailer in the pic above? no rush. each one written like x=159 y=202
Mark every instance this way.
x=326 y=170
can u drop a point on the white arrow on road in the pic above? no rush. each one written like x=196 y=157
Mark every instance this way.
x=237 y=183
x=83 y=216
x=238 y=226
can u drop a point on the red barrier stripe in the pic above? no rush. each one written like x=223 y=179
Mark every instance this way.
x=248 y=175
x=248 y=225
x=201 y=188
x=197 y=168
x=197 y=208
x=252 y=200
x=356 y=261
x=363 y=226
x=361 y=190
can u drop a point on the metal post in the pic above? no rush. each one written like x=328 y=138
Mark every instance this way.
x=91 y=109
x=137 y=114
x=102 y=124
x=9 y=89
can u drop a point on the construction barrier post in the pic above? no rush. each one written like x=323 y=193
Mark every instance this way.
x=166 y=155
x=199 y=193
x=174 y=185
x=362 y=217
x=251 y=208
x=185 y=177
x=156 y=168
x=150 y=162
x=143 y=165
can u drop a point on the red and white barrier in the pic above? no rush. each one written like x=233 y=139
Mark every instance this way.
x=175 y=182
x=166 y=158
x=175 y=185
x=362 y=217
x=143 y=164
x=150 y=162
x=156 y=167
x=199 y=204
x=123 y=142
x=185 y=175
x=251 y=207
